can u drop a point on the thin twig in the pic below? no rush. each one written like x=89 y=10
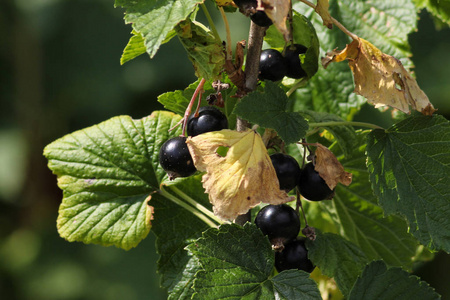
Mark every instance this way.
x=227 y=29
x=335 y=22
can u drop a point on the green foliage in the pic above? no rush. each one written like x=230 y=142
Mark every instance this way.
x=269 y=109
x=237 y=263
x=107 y=172
x=337 y=258
x=439 y=8
x=155 y=20
x=409 y=167
x=204 y=50
x=378 y=282
x=115 y=192
x=360 y=219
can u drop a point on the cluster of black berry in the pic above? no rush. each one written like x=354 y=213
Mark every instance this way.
x=281 y=223
x=174 y=155
x=309 y=183
x=274 y=66
x=248 y=8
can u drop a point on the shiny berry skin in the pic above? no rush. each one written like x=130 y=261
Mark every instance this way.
x=294 y=256
x=287 y=169
x=175 y=158
x=272 y=65
x=209 y=119
x=312 y=186
x=278 y=222
x=294 y=66
x=261 y=19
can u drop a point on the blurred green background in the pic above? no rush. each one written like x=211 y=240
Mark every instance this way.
x=60 y=72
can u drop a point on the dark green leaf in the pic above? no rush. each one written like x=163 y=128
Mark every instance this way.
x=174 y=228
x=354 y=209
x=204 y=50
x=379 y=283
x=107 y=173
x=237 y=263
x=155 y=20
x=269 y=110
x=337 y=258
x=409 y=168
x=438 y=8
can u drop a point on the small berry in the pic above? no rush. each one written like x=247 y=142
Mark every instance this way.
x=295 y=69
x=287 y=169
x=278 y=222
x=272 y=65
x=294 y=256
x=209 y=119
x=261 y=19
x=312 y=186
x=175 y=158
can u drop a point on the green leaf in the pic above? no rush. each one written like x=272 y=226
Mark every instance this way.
x=204 y=50
x=304 y=34
x=107 y=173
x=355 y=211
x=174 y=228
x=155 y=20
x=337 y=258
x=269 y=109
x=409 y=168
x=134 y=48
x=237 y=263
x=438 y=8
x=379 y=283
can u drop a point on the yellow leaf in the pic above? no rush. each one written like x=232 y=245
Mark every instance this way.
x=381 y=78
x=239 y=178
x=277 y=11
x=322 y=9
x=329 y=168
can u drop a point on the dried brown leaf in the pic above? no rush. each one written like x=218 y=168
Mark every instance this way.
x=381 y=78
x=329 y=168
x=242 y=178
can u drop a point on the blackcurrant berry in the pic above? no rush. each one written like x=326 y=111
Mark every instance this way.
x=294 y=256
x=279 y=222
x=175 y=158
x=294 y=67
x=261 y=19
x=209 y=119
x=312 y=186
x=272 y=65
x=287 y=169
x=246 y=5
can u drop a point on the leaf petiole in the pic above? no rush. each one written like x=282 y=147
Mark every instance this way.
x=197 y=205
x=188 y=207
x=340 y=123
x=210 y=22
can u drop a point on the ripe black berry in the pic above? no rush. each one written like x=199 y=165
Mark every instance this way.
x=312 y=186
x=279 y=222
x=175 y=158
x=294 y=67
x=287 y=169
x=261 y=19
x=209 y=119
x=294 y=256
x=272 y=65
